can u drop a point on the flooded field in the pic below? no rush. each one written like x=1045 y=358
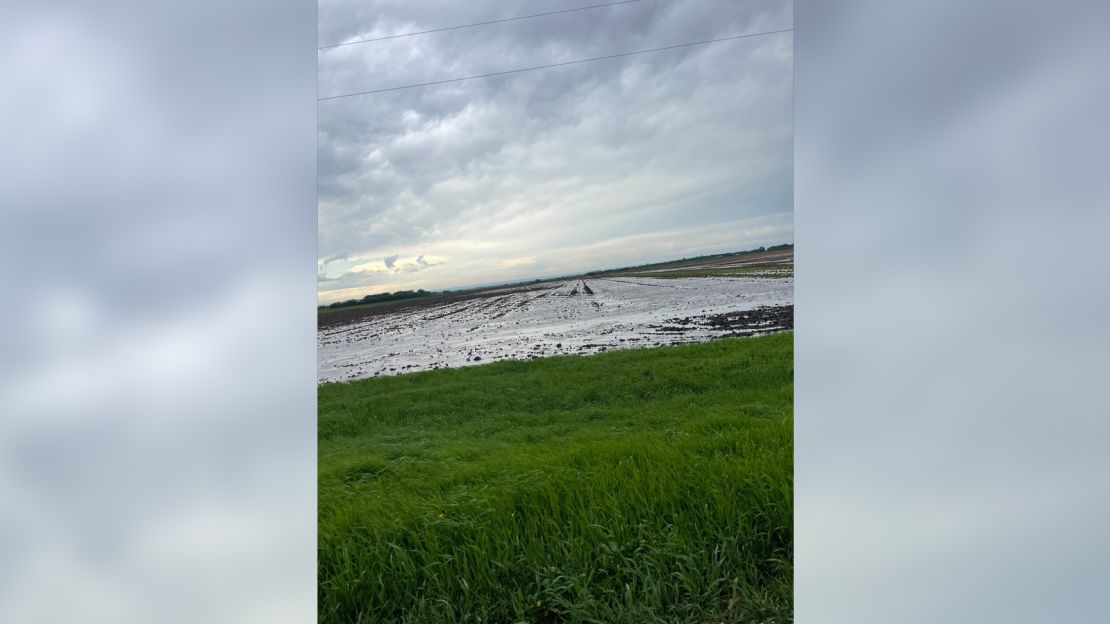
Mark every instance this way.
x=581 y=316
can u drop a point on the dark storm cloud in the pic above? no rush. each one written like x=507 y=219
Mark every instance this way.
x=549 y=166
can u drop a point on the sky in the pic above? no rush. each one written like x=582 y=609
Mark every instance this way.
x=596 y=165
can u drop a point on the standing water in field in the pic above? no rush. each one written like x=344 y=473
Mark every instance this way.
x=560 y=318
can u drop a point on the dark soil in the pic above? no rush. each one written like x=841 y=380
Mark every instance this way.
x=761 y=320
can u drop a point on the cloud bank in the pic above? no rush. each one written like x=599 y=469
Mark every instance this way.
x=601 y=164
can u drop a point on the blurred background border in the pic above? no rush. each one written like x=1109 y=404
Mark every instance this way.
x=157 y=373
x=951 y=449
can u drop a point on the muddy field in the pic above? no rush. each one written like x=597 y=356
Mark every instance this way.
x=580 y=316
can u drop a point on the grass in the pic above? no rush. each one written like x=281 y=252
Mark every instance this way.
x=754 y=270
x=649 y=485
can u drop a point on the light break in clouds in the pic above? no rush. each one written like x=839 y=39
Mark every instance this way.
x=603 y=164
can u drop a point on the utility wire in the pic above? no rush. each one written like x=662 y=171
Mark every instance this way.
x=498 y=21
x=516 y=71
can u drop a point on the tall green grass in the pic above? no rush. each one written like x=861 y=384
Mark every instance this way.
x=632 y=486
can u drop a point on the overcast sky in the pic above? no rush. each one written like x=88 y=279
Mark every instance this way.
x=610 y=163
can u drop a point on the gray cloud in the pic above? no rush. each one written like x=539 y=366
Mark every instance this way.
x=391 y=260
x=550 y=165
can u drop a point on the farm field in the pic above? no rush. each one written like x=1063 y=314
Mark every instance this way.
x=771 y=270
x=578 y=316
x=777 y=258
x=648 y=485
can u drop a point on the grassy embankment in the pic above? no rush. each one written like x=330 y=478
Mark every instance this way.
x=755 y=270
x=750 y=256
x=630 y=486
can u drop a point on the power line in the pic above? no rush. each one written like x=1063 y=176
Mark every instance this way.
x=516 y=71
x=498 y=21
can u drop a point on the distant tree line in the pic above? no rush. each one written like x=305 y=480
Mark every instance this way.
x=379 y=297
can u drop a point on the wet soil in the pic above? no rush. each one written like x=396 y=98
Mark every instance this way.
x=761 y=320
